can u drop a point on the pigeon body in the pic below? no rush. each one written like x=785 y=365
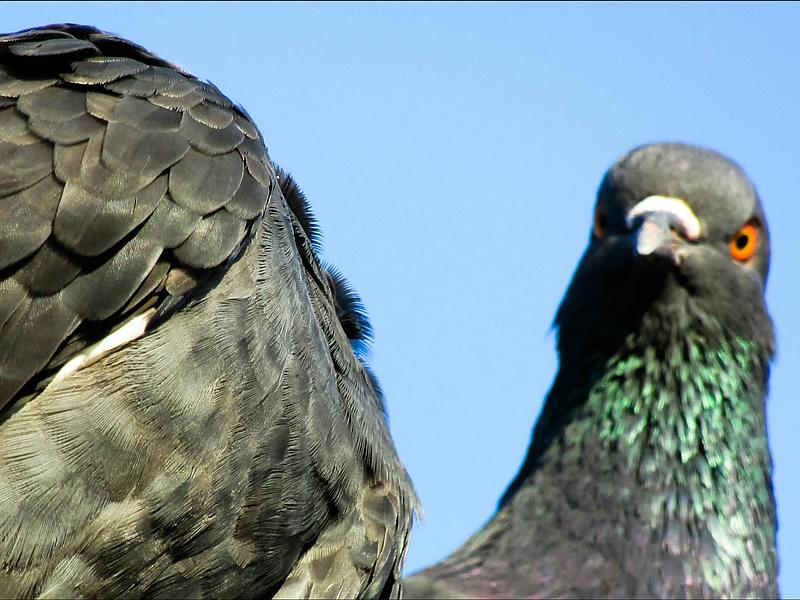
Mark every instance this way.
x=648 y=473
x=181 y=411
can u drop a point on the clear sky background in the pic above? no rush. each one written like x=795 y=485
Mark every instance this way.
x=452 y=154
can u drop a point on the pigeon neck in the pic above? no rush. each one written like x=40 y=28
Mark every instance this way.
x=668 y=443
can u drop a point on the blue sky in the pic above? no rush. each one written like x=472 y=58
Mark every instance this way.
x=452 y=153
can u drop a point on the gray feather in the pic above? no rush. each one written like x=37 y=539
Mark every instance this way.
x=99 y=70
x=49 y=270
x=204 y=183
x=209 y=139
x=53 y=104
x=215 y=239
x=23 y=166
x=34 y=207
x=90 y=228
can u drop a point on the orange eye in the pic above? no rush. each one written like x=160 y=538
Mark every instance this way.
x=744 y=243
x=600 y=221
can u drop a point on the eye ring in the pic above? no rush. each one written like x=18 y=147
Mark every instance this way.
x=600 y=222
x=744 y=243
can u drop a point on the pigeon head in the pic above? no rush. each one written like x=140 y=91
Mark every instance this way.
x=679 y=239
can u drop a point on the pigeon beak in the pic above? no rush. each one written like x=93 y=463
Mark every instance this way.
x=660 y=227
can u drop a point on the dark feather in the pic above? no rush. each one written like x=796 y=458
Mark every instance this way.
x=34 y=206
x=204 y=183
x=23 y=166
x=215 y=239
x=210 y=140
x=351 y=313
x=100 y=70
x=90 y=228
x=141 y=114
x=299 y=205
x=49 y=270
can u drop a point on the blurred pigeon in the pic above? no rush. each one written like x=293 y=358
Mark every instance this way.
x=182 y=413
x=648 y=473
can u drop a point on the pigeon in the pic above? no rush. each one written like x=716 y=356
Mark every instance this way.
x=648 y=473
x=185 y=406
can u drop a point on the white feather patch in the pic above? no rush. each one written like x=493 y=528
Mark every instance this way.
x=132 y=329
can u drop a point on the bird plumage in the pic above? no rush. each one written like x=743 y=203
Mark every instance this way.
x=648 y=472
x=238 y=447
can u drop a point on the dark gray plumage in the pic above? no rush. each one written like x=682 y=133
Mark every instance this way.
x=349 y=308
x=648 y=473
x=239 y=446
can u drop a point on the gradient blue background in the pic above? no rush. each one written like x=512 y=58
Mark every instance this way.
x=452 y=153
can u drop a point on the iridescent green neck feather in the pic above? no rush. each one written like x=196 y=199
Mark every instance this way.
x=651 y=464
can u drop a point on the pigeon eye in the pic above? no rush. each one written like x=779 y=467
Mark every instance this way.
x=600 y=221
x=744 y=243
